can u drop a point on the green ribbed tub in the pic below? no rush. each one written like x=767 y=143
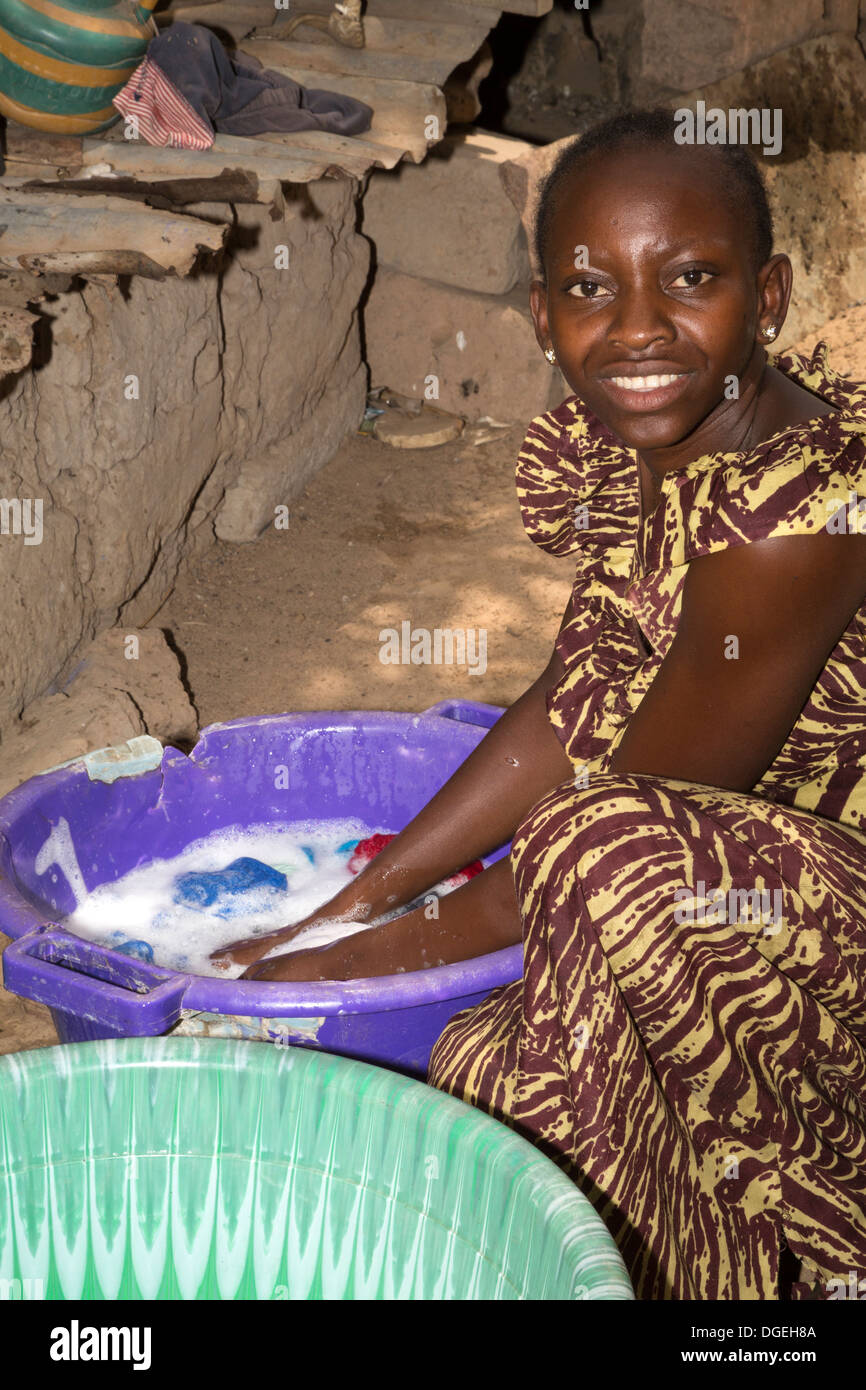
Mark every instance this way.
x=183 y=1169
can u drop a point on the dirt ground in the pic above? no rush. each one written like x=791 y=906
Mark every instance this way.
x=381 y=536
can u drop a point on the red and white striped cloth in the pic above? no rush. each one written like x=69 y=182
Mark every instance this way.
x=162 y=115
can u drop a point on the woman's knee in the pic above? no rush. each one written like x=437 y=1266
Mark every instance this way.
x=583 y=800
x=572 y=816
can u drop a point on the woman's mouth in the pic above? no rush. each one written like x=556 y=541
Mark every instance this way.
x=648 y=392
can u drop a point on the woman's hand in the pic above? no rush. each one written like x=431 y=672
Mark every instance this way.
x=251 y=948
x=353 y=958
x=479 y=917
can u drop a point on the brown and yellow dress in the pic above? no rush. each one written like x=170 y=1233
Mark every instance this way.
x=695 y=1059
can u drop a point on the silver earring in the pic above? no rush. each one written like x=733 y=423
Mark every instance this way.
x=550 y=355
x=771 y=332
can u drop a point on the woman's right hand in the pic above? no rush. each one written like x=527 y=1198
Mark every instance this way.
x=251 y=948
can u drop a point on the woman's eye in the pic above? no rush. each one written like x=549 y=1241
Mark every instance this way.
x=690 y=279
x=587 y=289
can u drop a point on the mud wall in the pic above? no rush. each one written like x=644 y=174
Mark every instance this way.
x=159 y=413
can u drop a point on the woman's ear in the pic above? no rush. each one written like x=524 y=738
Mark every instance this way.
x=775 y=279
x=538 y=309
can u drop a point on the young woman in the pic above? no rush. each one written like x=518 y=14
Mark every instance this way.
x=685 y=783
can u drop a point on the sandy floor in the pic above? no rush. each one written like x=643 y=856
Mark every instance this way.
x=381 y=536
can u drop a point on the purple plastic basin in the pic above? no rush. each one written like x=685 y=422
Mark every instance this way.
x=379 y=767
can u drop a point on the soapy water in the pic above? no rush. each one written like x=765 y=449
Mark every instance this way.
x=168 y=911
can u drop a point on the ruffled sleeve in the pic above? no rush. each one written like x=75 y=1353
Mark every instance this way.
x=547 y=485
x=578 y=491
x=576 y=484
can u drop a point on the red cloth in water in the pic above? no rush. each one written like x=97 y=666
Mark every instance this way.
x=365 y=850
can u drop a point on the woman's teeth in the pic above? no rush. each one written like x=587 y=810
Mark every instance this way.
x=645 y=383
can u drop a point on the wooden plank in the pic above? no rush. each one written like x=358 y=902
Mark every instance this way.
x=58 y=233
x=240 y=16
x=237 y=186
x=339 y=147
x=235 y=17
x=341 y=156
x=271 y=160
x=263 y=12
x=355 y=152
x=400 y=109
x=41 y=146
x=425 y=51
x=406 y=39
x=154 y=163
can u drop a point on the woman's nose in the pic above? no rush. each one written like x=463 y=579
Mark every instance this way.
x=640 y=318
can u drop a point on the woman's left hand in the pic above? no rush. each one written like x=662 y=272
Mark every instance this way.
x=349 y=959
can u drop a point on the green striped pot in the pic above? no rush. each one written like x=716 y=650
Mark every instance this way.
x=62 y=61
x=179 y=1168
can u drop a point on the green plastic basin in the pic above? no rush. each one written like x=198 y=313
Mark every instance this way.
x=187 y=1168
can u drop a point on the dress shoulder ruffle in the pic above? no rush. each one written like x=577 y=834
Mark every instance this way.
x=576 y=483
x=578 y=491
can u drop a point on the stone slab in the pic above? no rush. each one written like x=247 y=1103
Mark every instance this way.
x=450 y=219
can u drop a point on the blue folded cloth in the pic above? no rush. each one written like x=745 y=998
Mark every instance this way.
x=211 y=888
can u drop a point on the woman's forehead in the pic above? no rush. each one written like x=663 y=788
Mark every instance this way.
x=623 y=194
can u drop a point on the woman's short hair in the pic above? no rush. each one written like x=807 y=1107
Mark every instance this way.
x=739 y=175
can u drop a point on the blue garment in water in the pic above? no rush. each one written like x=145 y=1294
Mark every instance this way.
x=139 y=950
x=216 y=888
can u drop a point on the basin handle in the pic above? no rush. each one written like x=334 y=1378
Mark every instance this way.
x=79 y=977
x=467 y=712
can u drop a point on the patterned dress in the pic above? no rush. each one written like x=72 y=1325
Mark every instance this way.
x=688 y=1039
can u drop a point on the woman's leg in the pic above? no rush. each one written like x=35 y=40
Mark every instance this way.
x=701 y=1079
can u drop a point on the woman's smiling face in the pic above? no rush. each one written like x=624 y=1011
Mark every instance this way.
x=664 y=308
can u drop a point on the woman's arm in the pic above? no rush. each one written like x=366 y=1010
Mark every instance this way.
x=719 y=710
x=481 y=916
x=478 y=808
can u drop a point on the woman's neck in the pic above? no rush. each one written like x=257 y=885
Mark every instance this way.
x=768 y=402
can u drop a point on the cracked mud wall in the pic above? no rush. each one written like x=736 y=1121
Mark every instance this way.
x=158 y=413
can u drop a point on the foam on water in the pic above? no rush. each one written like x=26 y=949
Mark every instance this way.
x=141 y=907
x=59 y=850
